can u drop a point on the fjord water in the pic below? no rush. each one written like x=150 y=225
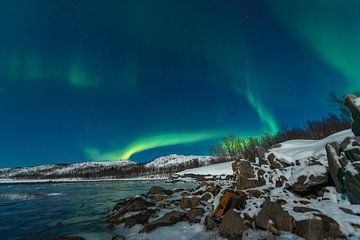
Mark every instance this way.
x=50 y=210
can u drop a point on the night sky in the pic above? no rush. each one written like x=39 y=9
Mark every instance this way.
x=98 y=80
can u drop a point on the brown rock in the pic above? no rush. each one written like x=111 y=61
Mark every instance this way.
x=230 y=200
x=194 y=215
x=352 y=182
x=185 y=203
x=158 y=190
x=232 y=226
x=321 y=227
x=168 y=219
x=245 y=169
x=243 y=183
x=210 y=224
x=350 y=102
x=336 y=172
x=195 y=201
x=214 y=189
x=273 y=211
x=274 y=164
x=140 y=218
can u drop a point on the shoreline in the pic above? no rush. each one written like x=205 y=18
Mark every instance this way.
x=76 y=180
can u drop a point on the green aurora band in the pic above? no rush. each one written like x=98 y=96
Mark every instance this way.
x=334 y=39
x=152 y=142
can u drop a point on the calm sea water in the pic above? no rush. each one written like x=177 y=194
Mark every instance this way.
x=50 y=210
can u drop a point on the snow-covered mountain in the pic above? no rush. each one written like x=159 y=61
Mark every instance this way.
x=109 y=169
x=53 y=170
x=174 y=160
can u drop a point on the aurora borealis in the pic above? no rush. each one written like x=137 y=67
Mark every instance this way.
x=85 y=80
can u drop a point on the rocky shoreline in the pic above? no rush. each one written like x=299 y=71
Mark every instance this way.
x=272 y=197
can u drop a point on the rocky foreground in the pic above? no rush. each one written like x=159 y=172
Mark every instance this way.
x=297 y=189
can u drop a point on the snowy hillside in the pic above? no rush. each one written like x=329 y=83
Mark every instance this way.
x=61 y=169
x=174 y=159
x=293 y=150
x=214 y=169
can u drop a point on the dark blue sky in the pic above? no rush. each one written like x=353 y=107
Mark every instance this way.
x=103 y=80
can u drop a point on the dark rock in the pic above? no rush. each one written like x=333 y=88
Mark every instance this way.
x=118 y=238
x=168 y=219
x=321 y=227
x=140 y=218
x=214 y=189
x=280 y=181
x=336 y=172
x=194 y=215
x=243 y=183
x=352 y=181
x=245 y=169
x=133 y=204
x=230 y=200
x=350 y=103
x=206 y=197
x=195 y=201
x=274 y=164
x=304 y=209
x=273 y=211
x=185 y=203
x=260 y=152
x=232 y=226
x=158 y=197
x=70 y=238
x=254 y=193
x=158 y=190
x=305 y=182
x=210 y=223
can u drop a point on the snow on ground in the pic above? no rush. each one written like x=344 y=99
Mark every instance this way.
x=174 y=159
x=357 y=102
x=293 y=150
x=214 y=169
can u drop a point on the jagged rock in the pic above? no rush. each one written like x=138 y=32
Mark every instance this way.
x=210 y=223
x=274 y=164
x=351 y=147
x=185 y=203
x=232 y=226
x=158 y=190
x=351 y=103
x=158 y=197
x=336 y=172
x=320 y=227
x=133 y=204
x=280 y=181
x=352 y=181
x=141 y=218
x=206 y=197
x=304 y=209
x=214 y=189
x=230 y=200
x=309 y=180
x=254 y=193
x=244 y=169
x=194 y=215
x=168 y=219
x=243 y=183
x=273 y=211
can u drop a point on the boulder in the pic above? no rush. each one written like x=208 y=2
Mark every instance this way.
x=273 y=215
x=168 y=219
x=206 y=197
x=352 y=181
x=141 y=218
x=336 y=172
x=185 y=203
x=309 y=180
x=195 y=201
x=320 y=227
x=243 y=183
x=274 y=163
x=245 y=169
x=232 y=226
x=351 y=148
x=132 y=204
x=159 y=190
x=214 y=189
x=351 y=103
x=230 y=200
x=194 y=215
x=210 y=223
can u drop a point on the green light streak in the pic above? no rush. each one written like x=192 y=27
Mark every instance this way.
x=152 y=142
x=330 y=28
x=264 y=114
x=78 y=77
